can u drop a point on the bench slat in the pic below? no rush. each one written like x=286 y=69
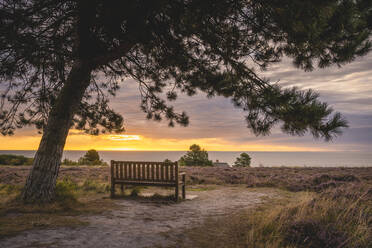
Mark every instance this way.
x=139 y=166
x=172 y=173
x=144 y=171
x=116 y=171
x=157 y=172
x=148 y=172
x=121 y=170
x=162 y=173
x=130 y=171
x=166 y=172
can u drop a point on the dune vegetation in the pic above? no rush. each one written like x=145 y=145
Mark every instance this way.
x=314 y=207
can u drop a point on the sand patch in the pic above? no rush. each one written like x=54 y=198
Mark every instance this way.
x=143 y=223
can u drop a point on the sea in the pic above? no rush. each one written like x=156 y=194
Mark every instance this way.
x=266 y=159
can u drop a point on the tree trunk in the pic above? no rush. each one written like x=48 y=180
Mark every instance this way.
x=40 y=184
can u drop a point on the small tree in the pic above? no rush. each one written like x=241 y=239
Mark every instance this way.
x=91 y=157
x=243 y=161
x=195 y=157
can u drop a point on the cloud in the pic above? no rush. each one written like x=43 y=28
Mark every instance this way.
x=346 y=89
x=218 y=125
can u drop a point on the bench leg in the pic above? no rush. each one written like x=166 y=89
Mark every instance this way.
x=122 y=188
x=183 y=187
x=112 y=191
x=176 y=193
x=183 y=191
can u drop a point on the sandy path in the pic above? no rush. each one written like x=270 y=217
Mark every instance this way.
x=142 y=223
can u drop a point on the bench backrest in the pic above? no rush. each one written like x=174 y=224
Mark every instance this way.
x=144 y=171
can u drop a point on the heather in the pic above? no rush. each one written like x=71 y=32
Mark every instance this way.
x=306 y=207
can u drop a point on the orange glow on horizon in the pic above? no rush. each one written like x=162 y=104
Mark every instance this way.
x=132 y=142
x=124 y=137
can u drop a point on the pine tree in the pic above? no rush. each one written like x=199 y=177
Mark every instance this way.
x=195 y=157
x=60 y=61
x=244 y=160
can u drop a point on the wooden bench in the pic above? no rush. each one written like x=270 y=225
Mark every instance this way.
x=147 y=174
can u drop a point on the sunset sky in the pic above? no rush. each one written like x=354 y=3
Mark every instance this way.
x=216 y=125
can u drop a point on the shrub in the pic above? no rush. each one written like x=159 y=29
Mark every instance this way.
x=90 y=185
x=10 y=159
x=67 y=161
x=195 y=157
x=135 y=191
x=66 y=190
x=243 y=161
x=7 y=189
x=312 y=233
x=91 y=157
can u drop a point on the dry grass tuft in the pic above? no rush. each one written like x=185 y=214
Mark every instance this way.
x=321 y=207
x=302 y=220
x=72 y=200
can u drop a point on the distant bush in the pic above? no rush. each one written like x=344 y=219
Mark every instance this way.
x=10 y=159
x=91 y=157
x=195 y=157
x=243 y=161
x=67 y=161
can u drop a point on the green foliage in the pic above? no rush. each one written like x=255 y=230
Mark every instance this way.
x=216 y=47
x=66 y=190
x=10 y=159
x=91 y=185
x=243 y=161
x=67 y=161
x=167 y=161
x=91 y=157
x=195 y=157
x=135 y=191
x=7 y=189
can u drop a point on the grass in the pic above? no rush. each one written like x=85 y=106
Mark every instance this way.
x=72 y=199
x=338 y=217
x=140 y=193
x=200 y=188
x=316 y=207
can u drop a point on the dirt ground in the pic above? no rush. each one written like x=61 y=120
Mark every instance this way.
x=145 y=223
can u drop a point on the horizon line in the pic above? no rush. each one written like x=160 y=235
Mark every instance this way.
x=188 y=150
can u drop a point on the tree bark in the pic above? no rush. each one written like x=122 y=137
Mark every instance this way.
x=40 y=184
